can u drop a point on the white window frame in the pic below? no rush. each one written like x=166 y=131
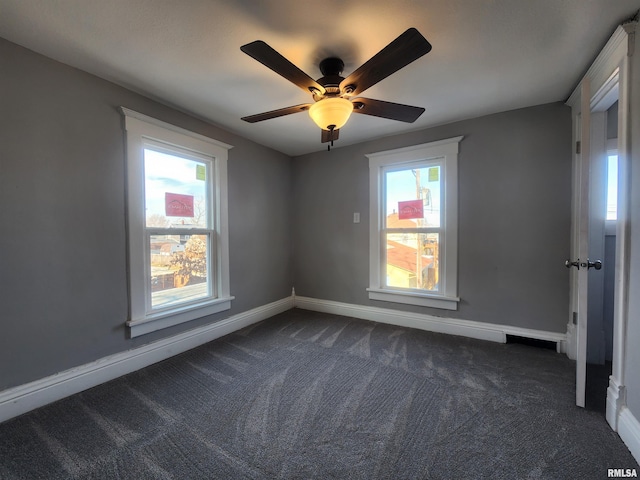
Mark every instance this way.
x=142 y=130
x=446 y=151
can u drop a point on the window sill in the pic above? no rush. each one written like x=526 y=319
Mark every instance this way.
x=177 y=316
x=411 y=298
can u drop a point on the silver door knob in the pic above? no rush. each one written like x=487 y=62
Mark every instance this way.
x=597 y=264
x=588 y=264
x=568 y=263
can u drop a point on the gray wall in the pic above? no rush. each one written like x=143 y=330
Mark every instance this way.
x=63 y=267
x=514 y=218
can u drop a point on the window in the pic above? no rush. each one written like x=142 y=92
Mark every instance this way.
x=177 y=209
x=414 y=231
x=612 y=186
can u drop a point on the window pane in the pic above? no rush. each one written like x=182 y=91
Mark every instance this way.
x=410 y=253
x=612 y=187
x=179 y=269
x=175 y=191
x=413 y=197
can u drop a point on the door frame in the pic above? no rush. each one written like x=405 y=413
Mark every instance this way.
x=608 y=77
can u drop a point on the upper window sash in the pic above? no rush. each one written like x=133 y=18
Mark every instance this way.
x=419 y=164
x=209 y=173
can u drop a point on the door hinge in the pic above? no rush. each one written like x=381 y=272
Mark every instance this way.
x=575 y=318
x=578 y=147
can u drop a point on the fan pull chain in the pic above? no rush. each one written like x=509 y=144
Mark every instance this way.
x=330 y=145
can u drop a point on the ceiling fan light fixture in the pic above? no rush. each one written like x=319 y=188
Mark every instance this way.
x=331 y=113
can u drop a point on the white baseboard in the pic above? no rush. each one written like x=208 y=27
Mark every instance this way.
x=21 y=399
x=629 y=431
x=615 y=402
x=451 y=326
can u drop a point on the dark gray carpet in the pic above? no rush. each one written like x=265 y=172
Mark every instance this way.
x=306 y=395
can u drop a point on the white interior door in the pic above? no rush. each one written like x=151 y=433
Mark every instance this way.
x=581 y=241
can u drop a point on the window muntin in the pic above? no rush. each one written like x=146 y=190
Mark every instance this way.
x=413 y=256
x=177 y=207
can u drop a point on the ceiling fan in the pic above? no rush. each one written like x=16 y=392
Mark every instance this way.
x=336 y=97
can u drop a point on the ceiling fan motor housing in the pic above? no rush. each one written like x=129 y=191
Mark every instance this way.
x=331 y=68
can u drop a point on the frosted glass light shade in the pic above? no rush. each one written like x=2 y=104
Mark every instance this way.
x=333 y=111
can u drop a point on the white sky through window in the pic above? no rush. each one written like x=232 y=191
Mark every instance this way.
x=612 y=187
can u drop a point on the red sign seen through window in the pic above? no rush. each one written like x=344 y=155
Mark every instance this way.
x=410 y=209
x=177 y=205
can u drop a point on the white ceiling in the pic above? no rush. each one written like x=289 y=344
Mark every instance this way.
x=488 y=55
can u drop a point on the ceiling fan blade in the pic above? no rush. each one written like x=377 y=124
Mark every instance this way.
x=330 y=135
x=266 y=55
x=393 y=111
x=408 y=47
x=277 y=113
